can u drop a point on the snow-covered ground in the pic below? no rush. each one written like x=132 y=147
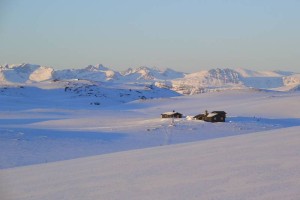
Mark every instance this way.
x=254 y=154
x=262 y=165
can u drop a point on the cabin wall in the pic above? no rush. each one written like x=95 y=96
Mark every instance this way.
x=217 y=118
x=171 y=116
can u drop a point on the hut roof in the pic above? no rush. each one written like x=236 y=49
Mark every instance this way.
x=219 y=112
x=170 y=113
x=212 y=114
x=199 y=115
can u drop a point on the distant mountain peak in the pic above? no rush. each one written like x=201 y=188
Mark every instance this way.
x=96 y=68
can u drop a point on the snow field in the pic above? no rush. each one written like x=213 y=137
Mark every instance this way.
x=56 y=145
x=48 y=134
x=255 y=166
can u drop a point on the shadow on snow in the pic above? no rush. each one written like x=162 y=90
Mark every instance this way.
x=281 y=122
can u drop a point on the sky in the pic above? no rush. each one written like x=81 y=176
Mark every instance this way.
x=185 y=35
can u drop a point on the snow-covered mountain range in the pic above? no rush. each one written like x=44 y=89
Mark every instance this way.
x=183 y=83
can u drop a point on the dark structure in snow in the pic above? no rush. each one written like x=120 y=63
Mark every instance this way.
x=199 y=117
x=171 y=115
x=215 y=116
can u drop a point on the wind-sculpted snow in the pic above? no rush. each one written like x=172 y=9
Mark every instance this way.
x=184 y=83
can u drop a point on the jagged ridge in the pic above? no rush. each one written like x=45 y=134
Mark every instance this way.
x=184 y=83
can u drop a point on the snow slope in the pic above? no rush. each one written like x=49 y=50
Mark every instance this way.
x=204 y=81
x=150 y=74
x=24 y=73
x=76 y=94
x=94 y=73
x=256 y=166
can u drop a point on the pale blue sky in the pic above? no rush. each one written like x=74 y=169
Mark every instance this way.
x=186 y=35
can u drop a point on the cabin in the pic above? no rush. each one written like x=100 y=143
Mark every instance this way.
x=171 y=115
x=199 y=117
x=215 y=116
x=221 y=115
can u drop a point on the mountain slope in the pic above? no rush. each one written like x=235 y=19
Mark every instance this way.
x=150 y=74
x=94 y=73
x=204 y=81
x=184 y=83
x=25 y=73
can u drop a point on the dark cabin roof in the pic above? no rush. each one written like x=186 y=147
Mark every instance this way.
x=171 y=113
x=219 y=112
x=200 y=115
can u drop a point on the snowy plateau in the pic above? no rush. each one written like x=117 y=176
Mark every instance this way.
x=96 y=133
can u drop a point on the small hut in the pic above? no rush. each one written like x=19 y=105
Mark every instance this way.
x=171 y=115
x=199 y=117
x=221 y=115
x=215 y=116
